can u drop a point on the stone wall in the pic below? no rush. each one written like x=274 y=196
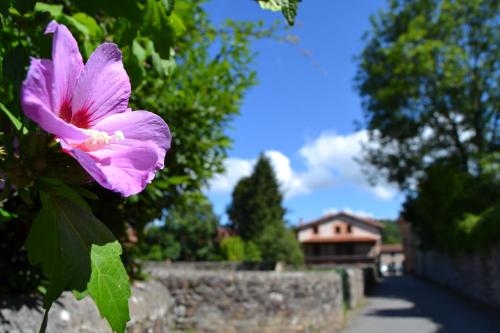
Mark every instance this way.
x=192 y=300
x=355 y=285
x=225 y=301
x=208 y=266
x=150 y=310
x=476 y=275
x=370 y=272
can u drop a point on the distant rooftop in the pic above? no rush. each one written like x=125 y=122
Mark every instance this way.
x=391 y=248
x=341 y=239
x=340 y=215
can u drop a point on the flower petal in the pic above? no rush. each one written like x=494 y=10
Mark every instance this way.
x=140 y=125
x=67 y=64
x=126 y=167
x=36 y=101
x=103 y=87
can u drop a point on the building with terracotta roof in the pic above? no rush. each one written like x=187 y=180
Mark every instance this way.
x=340 y=238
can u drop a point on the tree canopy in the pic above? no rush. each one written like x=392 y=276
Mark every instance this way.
x=188 y=233
x=429 y=77
x=391 y=233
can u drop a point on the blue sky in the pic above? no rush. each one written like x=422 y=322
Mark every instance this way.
x=302 y=113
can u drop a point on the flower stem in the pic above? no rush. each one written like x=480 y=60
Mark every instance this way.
x=43 y=326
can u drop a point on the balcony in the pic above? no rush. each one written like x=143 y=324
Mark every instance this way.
x=339 y=259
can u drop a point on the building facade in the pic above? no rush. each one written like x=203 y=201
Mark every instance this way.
x=392 y=259
x=340 y=238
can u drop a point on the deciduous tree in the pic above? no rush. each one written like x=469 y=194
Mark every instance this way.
x=429 y=77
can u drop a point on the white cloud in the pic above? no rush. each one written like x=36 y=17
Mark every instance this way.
x=360 y=213
x=384 y=192
x=236 y=169
x=281 y=166
x=336 y=154
x=290 y=182
x=295 y=183
x=329 y=161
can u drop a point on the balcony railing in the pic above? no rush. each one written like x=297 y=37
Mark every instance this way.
x=349 y=258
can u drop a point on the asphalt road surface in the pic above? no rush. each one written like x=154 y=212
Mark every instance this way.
x=409 y=305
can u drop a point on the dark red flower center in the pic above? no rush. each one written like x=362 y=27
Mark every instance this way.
x=79 y=119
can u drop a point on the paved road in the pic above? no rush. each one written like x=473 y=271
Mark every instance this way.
x=409 y=305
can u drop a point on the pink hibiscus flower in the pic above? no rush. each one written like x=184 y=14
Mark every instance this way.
x=86 y=108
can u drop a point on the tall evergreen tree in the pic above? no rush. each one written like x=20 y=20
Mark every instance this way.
x=256 y=201
x=257 y=214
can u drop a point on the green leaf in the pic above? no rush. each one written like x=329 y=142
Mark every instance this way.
x=126 y=9
x=109 y=286
x=152 y=16
x=54 y=10
x=58 y=188
x=287 y=7
x=169 y=5
x=273 y=5
x=85 y=193
x=177 y=24
x=92 y=28
x=6 y=216
x=74 y=24
x=165 y=184
x=138 y=51
x=60 y=240
x=79 y=295
x=290 y=11
x=157 y=26
x=17 y=124
x=1 y=57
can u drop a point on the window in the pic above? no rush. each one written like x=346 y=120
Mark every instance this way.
x=345 y=249
x=349 y=228
x=315 y=230
x=337 y=229
x=316 y=250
